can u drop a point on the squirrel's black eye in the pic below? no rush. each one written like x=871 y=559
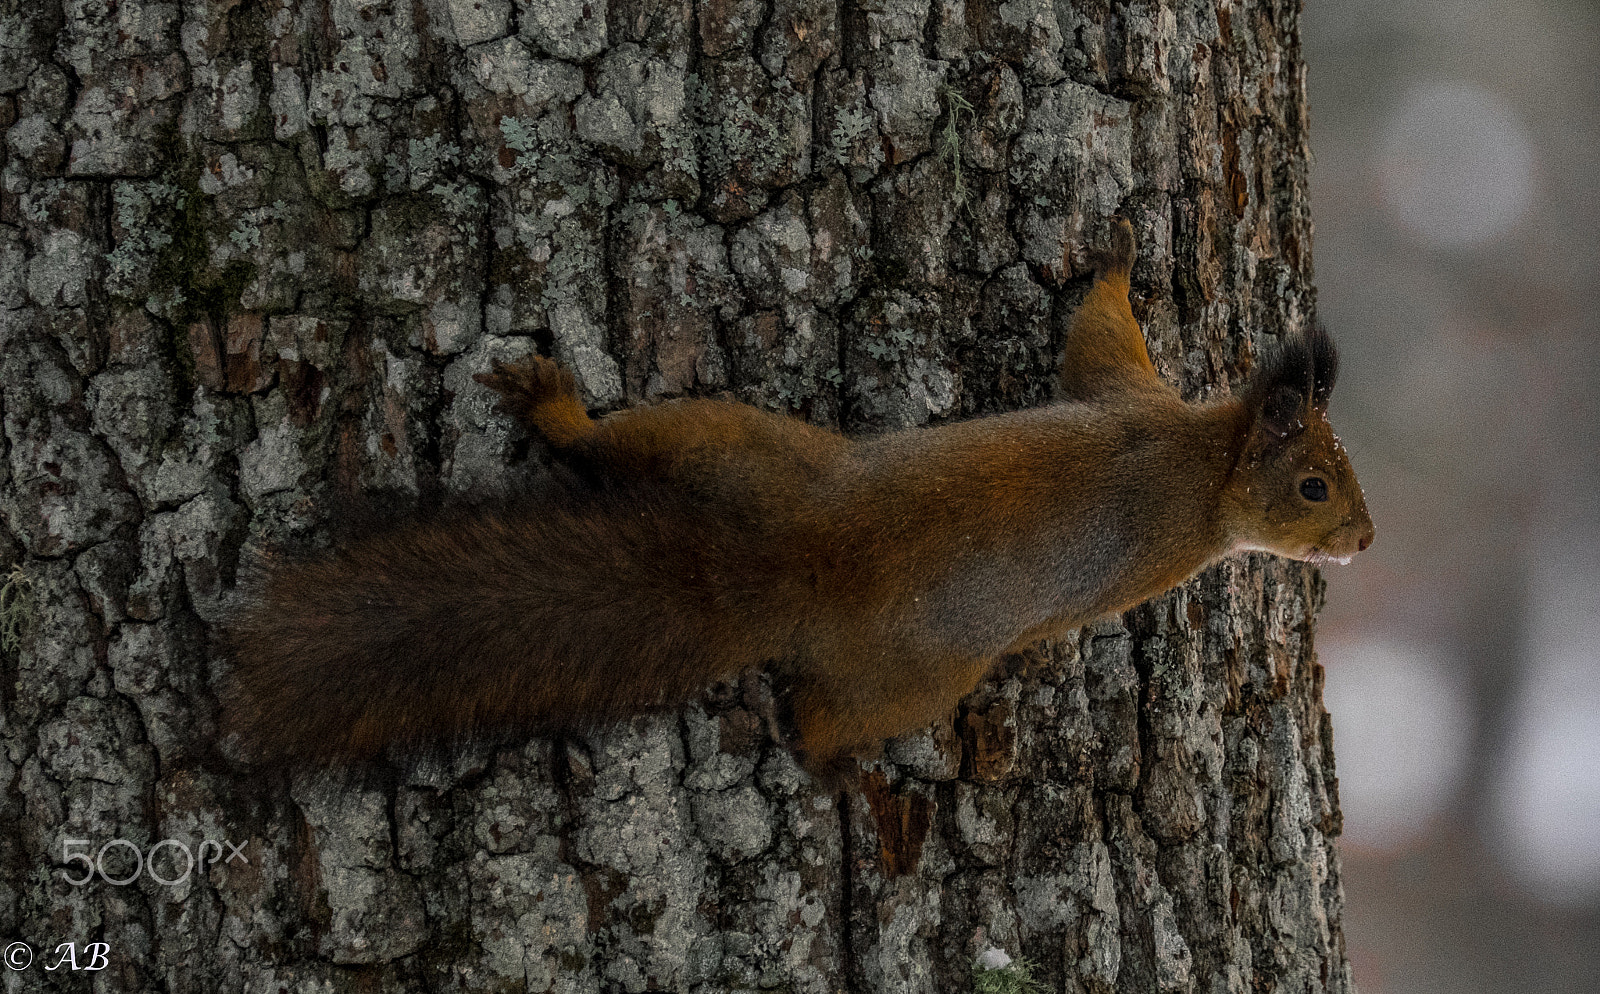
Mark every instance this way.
x=1314 y=488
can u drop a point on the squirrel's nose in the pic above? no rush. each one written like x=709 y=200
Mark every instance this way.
x=1365 y=540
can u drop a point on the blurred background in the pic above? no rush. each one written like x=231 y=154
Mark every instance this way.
x=1455 y=187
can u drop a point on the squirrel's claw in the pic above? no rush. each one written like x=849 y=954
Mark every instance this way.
x=528 y=383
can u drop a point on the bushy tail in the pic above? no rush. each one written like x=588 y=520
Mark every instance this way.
x=550 y=613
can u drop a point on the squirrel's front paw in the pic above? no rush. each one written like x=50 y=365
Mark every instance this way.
x=528 y=383
x=542 y=396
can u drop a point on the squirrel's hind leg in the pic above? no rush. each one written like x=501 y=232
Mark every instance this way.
x=837 y=720
x=543 y=397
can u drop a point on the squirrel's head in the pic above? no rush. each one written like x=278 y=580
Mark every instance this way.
x=1293 y=491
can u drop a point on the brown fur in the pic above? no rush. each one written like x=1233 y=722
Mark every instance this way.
x=1105 y=352
x=703 y=538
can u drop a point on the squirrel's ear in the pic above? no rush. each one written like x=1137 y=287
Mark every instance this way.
x=1294 y=382
x=1282 y=412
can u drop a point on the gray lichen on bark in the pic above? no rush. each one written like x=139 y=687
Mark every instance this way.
x=251 y=256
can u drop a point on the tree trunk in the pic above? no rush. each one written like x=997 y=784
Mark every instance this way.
x=251 y=255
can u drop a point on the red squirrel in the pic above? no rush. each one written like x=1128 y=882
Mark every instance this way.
x=695 y=540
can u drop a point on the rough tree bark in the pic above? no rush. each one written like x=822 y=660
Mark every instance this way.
x=251 y=255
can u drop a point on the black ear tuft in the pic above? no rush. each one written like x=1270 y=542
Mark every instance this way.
x=1297 y=378
x=1324 y=363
